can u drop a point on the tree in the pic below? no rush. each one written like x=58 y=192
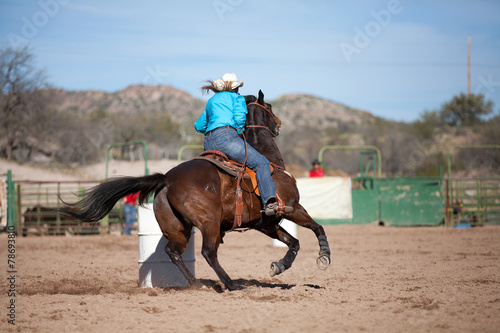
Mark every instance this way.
x=429 y=122
x=21 y=103
x=465 y=110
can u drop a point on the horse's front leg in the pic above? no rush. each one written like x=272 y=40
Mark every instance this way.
x=302 y=218
x=277 y=232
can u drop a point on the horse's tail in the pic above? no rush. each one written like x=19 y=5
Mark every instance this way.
x=99 y=201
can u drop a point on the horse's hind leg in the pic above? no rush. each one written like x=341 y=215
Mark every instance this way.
x=281 y=234
x=302 y=218
x=177 y=260
x=176 y=232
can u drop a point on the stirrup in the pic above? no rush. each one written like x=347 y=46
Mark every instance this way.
x=272 y=209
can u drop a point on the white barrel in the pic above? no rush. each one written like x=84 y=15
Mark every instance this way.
x=288 y=226
x=155 y=267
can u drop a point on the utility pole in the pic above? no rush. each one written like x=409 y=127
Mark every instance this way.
x=468 y=66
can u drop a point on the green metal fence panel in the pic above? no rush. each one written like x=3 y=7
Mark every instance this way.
x=411 y=202
x=365 y=200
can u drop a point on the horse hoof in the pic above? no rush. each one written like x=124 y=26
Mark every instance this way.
x=235 y=287
x=323 y=262
x=276 y=268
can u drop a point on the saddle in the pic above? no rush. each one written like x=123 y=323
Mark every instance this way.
x=236 y=169
x=231 y=167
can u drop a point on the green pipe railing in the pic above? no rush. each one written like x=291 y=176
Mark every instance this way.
x=181 y=150
x=11 y=204
x=377 y=151
x=130 y=143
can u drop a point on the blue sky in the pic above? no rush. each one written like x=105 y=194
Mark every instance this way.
x=394 y=58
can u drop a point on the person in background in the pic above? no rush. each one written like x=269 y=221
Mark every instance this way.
x=221 y=121
x=316 y=170
x=130 y=212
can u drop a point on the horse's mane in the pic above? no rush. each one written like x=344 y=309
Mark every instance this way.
x=250 y=98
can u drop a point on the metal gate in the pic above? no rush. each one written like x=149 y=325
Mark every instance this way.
x=37 y=204
x=472 y=201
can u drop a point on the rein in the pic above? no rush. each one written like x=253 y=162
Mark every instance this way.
x=276 y=132
x=277 y=121
x=264 y=127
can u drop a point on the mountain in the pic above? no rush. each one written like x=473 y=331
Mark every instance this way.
x=137 y=99
x=164 y=116
x=294 y=110
x=302 y=110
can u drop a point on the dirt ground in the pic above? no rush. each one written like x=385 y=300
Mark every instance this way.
x=382 y=279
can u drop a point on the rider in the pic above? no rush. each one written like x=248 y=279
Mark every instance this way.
x=221 y=121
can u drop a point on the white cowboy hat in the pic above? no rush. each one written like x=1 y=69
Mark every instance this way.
x=228 y=77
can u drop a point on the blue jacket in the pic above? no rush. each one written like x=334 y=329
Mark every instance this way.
x=224 y=108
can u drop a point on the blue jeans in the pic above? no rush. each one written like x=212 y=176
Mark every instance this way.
x=130 y=217
x=226 y=140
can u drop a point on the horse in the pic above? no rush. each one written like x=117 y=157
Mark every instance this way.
x=197 y=193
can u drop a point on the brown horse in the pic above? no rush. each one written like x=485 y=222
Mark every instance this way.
x=197 y=193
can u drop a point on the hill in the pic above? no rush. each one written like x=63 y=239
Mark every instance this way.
x=164 y=117
x=294 y=110
x=133 y=100
x=302 y=110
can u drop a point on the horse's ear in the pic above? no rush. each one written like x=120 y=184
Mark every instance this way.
x=261 y=98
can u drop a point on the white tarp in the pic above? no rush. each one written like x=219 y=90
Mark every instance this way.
x=326 y=197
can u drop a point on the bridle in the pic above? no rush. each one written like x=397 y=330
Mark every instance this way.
x=277 y=121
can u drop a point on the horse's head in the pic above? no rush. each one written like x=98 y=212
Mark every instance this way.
x=260 y=115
